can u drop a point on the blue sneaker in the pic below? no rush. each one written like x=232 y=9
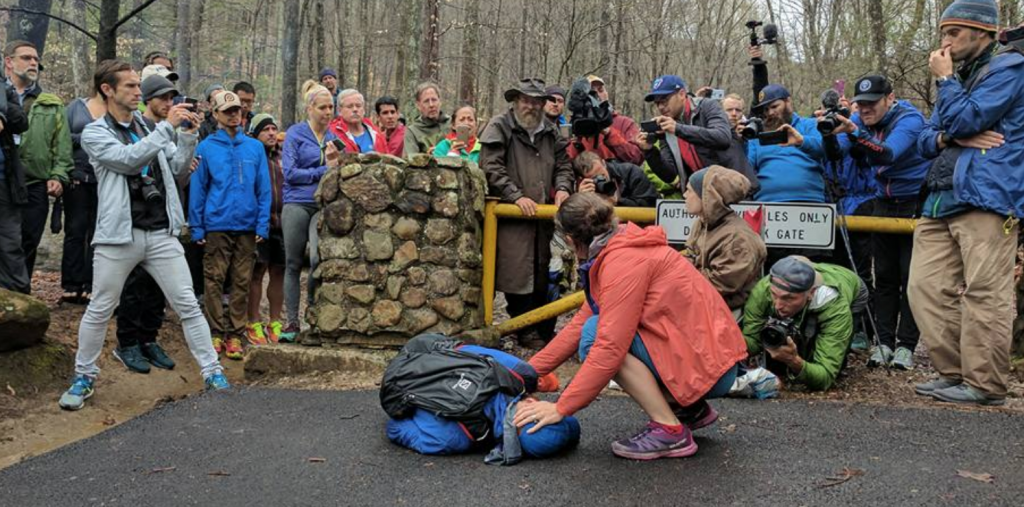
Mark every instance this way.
x=217 y=382
x=80 y=390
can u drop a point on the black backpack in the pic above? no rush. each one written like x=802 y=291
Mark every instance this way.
x=431 y=374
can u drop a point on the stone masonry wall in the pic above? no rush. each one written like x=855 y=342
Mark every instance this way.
x=400 y=250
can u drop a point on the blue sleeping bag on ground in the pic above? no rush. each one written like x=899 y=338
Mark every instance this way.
x=427 y=433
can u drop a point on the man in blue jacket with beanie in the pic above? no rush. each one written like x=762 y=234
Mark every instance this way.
x=229 y=212
x=968 y=234
x=882 y=136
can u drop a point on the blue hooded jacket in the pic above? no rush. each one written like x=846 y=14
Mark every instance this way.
x=303 y=162
x=787 y=173
x=991 y=180
x=894 y=159
x=230 y=189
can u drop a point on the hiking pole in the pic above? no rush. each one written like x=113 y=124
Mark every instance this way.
x=832 y=180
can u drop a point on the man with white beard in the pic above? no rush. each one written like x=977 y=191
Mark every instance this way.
x=526 y=164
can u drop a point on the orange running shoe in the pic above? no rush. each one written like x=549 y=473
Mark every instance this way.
x=274 y=331
x=254 y=332
x=234 y=349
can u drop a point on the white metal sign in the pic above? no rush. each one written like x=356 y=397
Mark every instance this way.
x=788 y=224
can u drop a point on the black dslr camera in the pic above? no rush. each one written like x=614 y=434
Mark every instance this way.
x=752 y=127
x=830 y=103
x=146 y=186
x=776 y=331
x=604 y=186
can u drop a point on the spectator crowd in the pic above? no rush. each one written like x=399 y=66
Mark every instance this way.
x=193 y=202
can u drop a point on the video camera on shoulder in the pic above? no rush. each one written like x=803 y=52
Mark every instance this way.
x=753 y=128
x=776 y=331
x=590 y=115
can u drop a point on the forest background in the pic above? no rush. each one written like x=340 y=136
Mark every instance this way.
x=475 y=49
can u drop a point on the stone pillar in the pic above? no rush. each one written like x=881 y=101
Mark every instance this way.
x=400 y=250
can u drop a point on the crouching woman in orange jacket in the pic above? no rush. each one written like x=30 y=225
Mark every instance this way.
x=651 y=322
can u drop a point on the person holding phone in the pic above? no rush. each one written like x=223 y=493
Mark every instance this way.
x=689 y=134
x=142 y=306
x=461 y=141
x=308 y=150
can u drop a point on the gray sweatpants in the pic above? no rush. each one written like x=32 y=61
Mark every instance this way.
x=163 y=257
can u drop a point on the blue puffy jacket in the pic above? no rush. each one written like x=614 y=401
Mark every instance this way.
x=303 y=161
x=430 y=434
x=230 y=189
x=993 y=179
x=789 y=174
x=894 y=158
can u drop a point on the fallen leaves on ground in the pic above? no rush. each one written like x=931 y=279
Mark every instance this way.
x=162 y=469
x=317 y=460
x=109 y=421
x=843 y=476
x=12 y=391
x=980 y=477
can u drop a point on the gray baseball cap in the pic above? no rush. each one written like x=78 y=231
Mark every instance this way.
x=155 y=86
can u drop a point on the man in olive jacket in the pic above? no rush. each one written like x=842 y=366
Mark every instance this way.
x=45 y=148
x=525 y=160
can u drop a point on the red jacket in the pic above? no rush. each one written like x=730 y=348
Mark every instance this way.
x=396 y=141
x=340 y=129
x=642 y=285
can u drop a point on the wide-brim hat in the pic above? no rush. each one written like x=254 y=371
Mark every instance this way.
x=531 y=87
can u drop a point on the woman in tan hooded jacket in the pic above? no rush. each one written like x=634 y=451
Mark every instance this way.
x=721 y=245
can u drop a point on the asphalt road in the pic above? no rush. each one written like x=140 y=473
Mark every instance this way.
x=253 y=447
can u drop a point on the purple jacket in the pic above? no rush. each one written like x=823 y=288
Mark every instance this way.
x=303 y=163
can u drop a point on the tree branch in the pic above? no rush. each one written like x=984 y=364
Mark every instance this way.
x=132 y=14
x=51 y=16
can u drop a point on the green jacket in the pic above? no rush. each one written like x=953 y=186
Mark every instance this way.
x=45 y=148
x=825 y=351
x=422 y=135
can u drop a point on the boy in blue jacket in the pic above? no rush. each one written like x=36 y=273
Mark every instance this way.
x=882 y=136
x=229 y=212
x=968 y=234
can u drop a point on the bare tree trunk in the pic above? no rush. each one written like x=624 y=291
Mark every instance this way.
x=878 y=34
x=470 y=41
x=197 y=16
x=318 y=32
x=339 y=22
x=289 y=63
x=183 y=66
x=80 y=54
x=30 y=27
x=363 y=75
x=492 y=77
x=431 y=49
x=106 y=39
x=522 y=43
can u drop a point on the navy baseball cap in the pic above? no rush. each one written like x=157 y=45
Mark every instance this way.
x=872 y=89
x=795 y=273
x=665 y=85
x=770 y=94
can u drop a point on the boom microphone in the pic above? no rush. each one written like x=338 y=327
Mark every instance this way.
x=771 y=33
